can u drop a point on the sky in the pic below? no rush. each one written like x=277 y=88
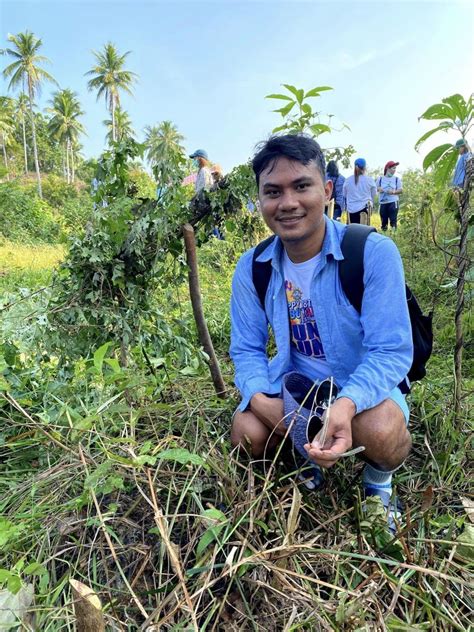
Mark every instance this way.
x=207 y=66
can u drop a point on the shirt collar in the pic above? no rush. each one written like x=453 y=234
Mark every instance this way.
x=331 y=245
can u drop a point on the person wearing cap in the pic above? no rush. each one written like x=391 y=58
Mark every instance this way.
x=359 y=192
x=460 y=171
x=389 y=187
x=204 y=178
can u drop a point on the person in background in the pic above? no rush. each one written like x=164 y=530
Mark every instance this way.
x=359 y=192
x=460 y=171
x=205 y=179
x=389 y=187
x=332 y=173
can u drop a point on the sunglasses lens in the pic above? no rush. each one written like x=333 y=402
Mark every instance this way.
x=314 y=427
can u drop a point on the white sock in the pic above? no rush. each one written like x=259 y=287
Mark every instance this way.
x=377 y=479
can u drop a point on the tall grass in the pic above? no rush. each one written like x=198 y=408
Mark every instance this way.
x=124 y=478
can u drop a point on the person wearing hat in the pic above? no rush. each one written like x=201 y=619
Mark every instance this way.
x=204 y=178
x=460 y=171
x=389 y=187
x=359 y=192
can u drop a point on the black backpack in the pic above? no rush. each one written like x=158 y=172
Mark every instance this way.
x=351 y=274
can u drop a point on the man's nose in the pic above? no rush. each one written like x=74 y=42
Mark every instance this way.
x=288 y=200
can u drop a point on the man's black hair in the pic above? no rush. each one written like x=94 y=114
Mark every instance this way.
x=332 y=169
x=298 y=147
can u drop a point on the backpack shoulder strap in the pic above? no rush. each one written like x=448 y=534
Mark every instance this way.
x=261 y=270
x=351 y=268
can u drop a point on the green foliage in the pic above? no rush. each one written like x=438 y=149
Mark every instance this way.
x=456 y=115
x=24 y=216
x=143 y=185
x=299 y=116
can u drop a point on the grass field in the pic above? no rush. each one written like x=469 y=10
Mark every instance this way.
x=125 y=480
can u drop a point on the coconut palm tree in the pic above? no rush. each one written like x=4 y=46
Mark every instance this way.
x=7 y=127
x=64 y=125
x=163 y=143
x=123 y=126
x=21 y=112
x=109 y=78
x=26 y=71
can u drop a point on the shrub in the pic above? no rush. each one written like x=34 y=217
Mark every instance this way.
x=24 y=216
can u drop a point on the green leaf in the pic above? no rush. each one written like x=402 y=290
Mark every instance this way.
x=435 y=154
x=438 y=111
x=307 y=109
x=286 y=109
x=283 y=97
x=315 y=92
x=35 y=569
x=319 y=128
x=459 y=107
x=280 y=128
x=443 y=169
x=441 y=127
x=99 y=355
x=291 y=89
x=181 y=455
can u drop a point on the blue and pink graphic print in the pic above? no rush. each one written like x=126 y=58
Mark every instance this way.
x=304 y=331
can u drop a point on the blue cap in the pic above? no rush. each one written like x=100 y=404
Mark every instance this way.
x=360 y=162
x=200 y=153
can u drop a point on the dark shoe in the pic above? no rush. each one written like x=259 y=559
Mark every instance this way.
x=391 y=504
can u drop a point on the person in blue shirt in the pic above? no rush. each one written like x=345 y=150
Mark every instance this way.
x=359 y=193
x=317 y=331
x=389 y=187
x=332 y=173
x=460 y=171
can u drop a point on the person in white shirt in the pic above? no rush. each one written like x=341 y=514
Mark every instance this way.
x=204 y=178
x=359 y=192
x=389 y=187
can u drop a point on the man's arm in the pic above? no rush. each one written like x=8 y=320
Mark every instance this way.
x=386 y=327
x=249 y=334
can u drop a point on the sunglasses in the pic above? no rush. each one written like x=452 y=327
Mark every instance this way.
x=319 y=400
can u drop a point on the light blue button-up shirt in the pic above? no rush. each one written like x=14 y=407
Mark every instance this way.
x=369 y=353
x=460 y=171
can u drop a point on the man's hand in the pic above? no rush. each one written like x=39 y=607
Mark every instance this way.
x=270 y=411
x=338 y=437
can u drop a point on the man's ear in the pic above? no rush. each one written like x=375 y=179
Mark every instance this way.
x=328 y=189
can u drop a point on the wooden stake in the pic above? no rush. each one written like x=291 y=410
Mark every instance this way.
x=195 y=293
x=88 y=609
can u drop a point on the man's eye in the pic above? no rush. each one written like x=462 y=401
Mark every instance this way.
x=273 y=193
x=300 y=187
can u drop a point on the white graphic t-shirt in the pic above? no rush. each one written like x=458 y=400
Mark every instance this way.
x=307 y=351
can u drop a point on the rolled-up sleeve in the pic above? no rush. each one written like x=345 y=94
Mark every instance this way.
x=249 y=334
x=387 y=338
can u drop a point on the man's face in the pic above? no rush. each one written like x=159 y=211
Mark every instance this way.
x=292 y=198
x=462 y=150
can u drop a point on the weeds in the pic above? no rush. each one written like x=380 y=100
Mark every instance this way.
x=123 y=478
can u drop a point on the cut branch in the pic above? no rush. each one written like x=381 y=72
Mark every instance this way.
x=88 y=609
x=195 y=293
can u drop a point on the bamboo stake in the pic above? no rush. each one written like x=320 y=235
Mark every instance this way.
x=88 y=609
x=195 y=294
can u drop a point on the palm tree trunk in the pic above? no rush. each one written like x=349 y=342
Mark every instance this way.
x=114 y=132
x=24 y=144
x=35 y=146
x=73 y=166
x=67 y=162
x=5 y=156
